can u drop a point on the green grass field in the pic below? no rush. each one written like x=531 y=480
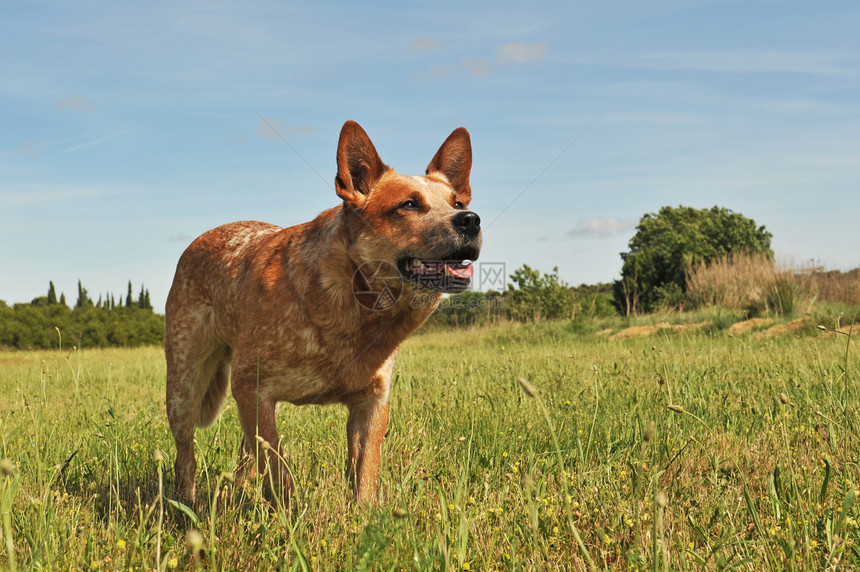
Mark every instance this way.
x=678 y=451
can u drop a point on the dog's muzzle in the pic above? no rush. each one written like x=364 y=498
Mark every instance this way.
x=453 y=271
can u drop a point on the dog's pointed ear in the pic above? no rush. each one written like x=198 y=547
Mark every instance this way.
x=358 y=164
x=454 y=160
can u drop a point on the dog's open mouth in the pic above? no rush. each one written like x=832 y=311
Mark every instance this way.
x=450 y=275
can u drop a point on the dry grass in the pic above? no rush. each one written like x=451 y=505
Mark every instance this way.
x=759 y=284
x=832 y=285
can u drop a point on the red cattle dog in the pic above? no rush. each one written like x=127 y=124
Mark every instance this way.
x=315 y=313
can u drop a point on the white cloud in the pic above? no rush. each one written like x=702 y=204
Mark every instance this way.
x=77 y=103
x=520 y=53
x=597 y=227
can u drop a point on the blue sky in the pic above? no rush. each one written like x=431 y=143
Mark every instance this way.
x=130 y=128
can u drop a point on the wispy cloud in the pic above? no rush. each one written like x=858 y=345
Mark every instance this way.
x=184 y=238
x=425 y=44
x=597 y=227
x=95 y=142
x=521 y=53
x=271 y=128
x=737 y=61
x=77 y=103
x=516 y=53
x=31 y=148
x=37 y=194
x=474 y=67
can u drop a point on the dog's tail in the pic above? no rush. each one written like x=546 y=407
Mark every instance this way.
x=213 y=399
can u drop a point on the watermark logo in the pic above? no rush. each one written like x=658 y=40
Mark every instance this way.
x=376 y=285
x=491 y=276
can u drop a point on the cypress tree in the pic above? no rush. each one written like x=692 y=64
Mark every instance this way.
x=52 y=294
x=83 y=298
x=128 y=298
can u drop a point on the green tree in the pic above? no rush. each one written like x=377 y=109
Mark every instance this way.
x=667 y=244
x=52 y=293
x=128 y=298
x=538 y=297
x=83 y=298
x=143 y=299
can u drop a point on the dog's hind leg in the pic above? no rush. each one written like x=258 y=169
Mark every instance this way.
x=197 y=379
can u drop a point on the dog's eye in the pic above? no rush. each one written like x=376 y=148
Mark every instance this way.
x=409 y=205
x=459 y=206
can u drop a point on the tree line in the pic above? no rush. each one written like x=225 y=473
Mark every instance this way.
x=110 y=321
x=666 y=247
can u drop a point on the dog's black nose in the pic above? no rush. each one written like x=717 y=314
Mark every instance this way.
x=467 y=222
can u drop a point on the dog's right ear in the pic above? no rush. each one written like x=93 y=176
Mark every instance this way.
x=358 y=164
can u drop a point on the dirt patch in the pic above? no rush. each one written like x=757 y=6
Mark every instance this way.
x=747 y=326
x=782 y=329
x=645 y=331
x=848 y=329
x=692 y=327
x=637 y=332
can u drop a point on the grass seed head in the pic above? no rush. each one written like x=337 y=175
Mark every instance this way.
x=194 y=541
x=158 y=456
x=661 y=499
x=400 y=512
x=649 y=431
x=7 y=467
x=527 y=387
x=675 y=408
x=783 y=397
x=527 y=481
x=263 y=443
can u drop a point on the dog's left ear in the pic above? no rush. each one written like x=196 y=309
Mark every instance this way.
x=454 y=160
x=359 y=167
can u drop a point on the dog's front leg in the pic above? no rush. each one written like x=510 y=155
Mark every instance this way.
x=365 y=429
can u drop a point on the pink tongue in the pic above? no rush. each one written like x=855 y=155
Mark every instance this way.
x=460 y=270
